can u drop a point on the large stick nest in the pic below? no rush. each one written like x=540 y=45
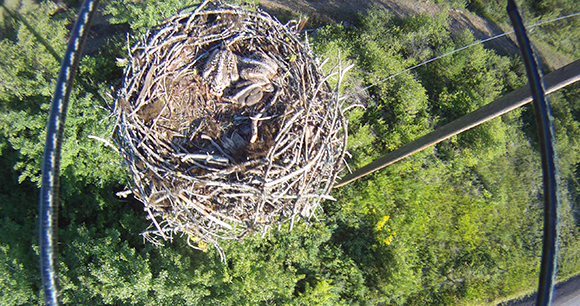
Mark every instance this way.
x=227 y=125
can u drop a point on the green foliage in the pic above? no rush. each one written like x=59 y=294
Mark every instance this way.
x=143 y=15
x=560 y=37
x=26 y=67
x=459 y=223
x=454 y=214
x=19 y=270
x=16 y=284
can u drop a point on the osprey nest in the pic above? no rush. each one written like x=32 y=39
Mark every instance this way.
x=227 y=126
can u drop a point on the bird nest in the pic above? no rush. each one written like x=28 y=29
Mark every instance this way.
x=227 y=126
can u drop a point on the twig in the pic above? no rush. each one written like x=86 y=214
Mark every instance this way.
x=293 y=141
x=105 y=142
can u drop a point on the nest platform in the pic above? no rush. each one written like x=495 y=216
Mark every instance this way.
x=227 y=126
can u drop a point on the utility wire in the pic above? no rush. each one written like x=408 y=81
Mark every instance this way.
x=460 y=49
x=485 y=113
x=554 y=81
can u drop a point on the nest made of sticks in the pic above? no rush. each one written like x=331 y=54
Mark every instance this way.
x=227 y=125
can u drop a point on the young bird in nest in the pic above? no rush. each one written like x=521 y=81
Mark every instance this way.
x=257 y=73
x=221 y=70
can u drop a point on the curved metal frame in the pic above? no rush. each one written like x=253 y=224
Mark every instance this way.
x=48 y=211
x=549 y=164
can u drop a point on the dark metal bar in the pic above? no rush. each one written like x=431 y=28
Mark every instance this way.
x=48 y=210
x=547 y=145
x=554 y=81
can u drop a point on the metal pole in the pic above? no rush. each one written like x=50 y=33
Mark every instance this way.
x=554 y=81
x=549 y=164
x=48 y=206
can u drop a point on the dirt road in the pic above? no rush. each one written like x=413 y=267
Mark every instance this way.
x=565 y=294
x=328 y=11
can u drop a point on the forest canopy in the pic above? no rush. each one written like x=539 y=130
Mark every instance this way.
x=458 y=223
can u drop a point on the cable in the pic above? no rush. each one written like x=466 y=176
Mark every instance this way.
x=51 y=160
x=554 y=81
x=460 y=49
x=547 y=145
x=48 y=203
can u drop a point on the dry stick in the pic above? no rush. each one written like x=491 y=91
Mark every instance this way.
x=291 y=143
x=142 y=158
x=104 y=141
x=521 y=96
x=206 y=198
x=287 y=139
x=203 y=157
x=203 y=136
x=281 y=133
x=154 y=122
x=303 y=179
x=295 y=173
x=155 y=222
x=187 y=68
x=345 y=133
x=340 y=157
x=230 y=170
x=277 y=197
x=309 y=128
x=258 y=210
x=145 y=90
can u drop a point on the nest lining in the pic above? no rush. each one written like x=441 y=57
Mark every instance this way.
x=227 y=126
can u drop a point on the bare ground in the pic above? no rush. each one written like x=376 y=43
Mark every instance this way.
x=336 y=11
x=322 y=12
x=331 y=11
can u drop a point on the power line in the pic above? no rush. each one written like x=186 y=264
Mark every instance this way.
x=460 y=49
x=554 y=81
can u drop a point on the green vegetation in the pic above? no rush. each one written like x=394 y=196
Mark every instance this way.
x=459 y=223
x=556 y=43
